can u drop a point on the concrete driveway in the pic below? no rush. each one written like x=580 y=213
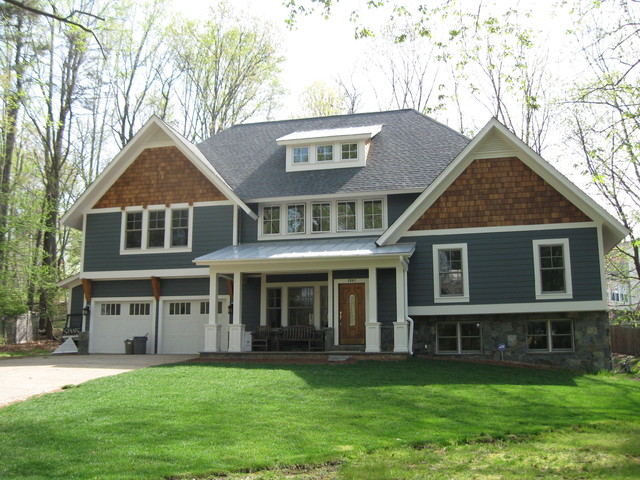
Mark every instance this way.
x=21 y=378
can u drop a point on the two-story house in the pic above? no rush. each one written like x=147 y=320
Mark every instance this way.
x=386 y=230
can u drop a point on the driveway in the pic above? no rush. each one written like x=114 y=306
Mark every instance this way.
x=21 y=378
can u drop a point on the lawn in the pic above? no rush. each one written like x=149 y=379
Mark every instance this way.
x=199 y=420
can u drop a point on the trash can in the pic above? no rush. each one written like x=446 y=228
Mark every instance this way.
x=128 y=346
x=83 y=343
x=139 y=345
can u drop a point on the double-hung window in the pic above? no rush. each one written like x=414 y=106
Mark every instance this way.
x=372 y=214
x=346 y=216
x=271 y=220
x=133 y=230
x=156 y=229
x=179 y=228
x=295 y=218
x=552 y=268
x=320 y=217
x=450 y=273
x=550 y=336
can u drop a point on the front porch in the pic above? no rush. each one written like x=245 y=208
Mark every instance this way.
x=344 y=294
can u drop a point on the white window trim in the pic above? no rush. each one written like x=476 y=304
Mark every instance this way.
x=566 y=257
x=437 y=298
x=144 y=249
x=333 y=231
x=314 y=164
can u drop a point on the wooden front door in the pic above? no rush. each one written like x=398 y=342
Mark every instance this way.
x=351 y=313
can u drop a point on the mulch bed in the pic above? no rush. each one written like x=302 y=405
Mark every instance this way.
x=49 y=345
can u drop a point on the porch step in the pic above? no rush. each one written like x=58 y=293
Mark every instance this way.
x=347 y=348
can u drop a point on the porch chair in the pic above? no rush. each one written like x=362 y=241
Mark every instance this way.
x=260 y=338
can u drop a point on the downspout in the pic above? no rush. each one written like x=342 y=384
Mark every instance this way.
x=406 y=306
x=410 y=320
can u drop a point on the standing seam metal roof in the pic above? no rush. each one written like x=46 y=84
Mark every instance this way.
x=409 y=153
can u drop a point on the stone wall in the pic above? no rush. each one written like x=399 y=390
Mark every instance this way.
x=591 y=338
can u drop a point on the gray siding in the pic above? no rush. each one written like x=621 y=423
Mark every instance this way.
x=342 y=274
x=212 y=230
x=386 y=296
x=122 y=288
x=184 y=286
x=397 y=204
x=77 y=300
x=248 y=226
x=501 y=265
x=294 y=277
x=251 y=303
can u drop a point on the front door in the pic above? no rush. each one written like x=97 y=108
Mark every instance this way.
x=351 y=314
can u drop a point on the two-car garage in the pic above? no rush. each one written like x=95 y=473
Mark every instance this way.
x=180 y=325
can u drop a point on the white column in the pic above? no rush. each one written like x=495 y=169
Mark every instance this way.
x=401 y=326
x=372 y=326
x=212 y=329
x=236 y=330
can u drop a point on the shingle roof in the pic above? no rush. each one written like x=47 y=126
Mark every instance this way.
x=409 y=153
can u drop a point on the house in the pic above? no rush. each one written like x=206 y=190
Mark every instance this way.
x=623 y=286
x=388 y=231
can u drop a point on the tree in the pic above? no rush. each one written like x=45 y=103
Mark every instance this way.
x=604 y=117
x=229 y=71
x=322 y=100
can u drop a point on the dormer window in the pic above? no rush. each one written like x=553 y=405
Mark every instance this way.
x=328 y=149
x=301 y=155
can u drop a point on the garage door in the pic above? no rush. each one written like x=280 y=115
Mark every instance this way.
x=183 y=324
x=114 y=322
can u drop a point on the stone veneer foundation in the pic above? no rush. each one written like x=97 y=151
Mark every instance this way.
x=592 y=343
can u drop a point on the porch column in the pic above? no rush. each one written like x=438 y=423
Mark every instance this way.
x=212 y=330
x=401 y=326
x=372 y=326
x=236 y=329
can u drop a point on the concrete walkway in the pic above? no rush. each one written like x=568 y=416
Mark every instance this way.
x=21 y=378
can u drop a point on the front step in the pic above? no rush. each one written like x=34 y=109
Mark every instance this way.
x=347 y=348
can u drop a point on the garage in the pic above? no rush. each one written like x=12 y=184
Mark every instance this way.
x=182 y=325
x=113 y=322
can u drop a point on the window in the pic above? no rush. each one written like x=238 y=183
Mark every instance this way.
x=550 y=336
x=274 y=307
x=179 y=228
x=204 y=308
x=320 y=217
x=460 y=337
x=301 y=155
x=295 y=218
x=451 y=282
x=552 y=268
x=349 y=151
x=324 y=153
x=300 y=305
x=156 y=229
x=180 y=308
x=271 y=220
x=133 y=230
x=136 y=309
x=110 y=309
x=372 y=214
x=346 y=216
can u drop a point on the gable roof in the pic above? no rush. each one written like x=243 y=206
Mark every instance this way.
x=155 y=132
x=505 y=143
x=408 y=154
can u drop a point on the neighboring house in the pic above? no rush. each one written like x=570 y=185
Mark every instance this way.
x=386 y=230
x=622 y=285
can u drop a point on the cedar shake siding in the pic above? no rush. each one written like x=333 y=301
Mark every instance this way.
x=160 y=176
x=495 y=193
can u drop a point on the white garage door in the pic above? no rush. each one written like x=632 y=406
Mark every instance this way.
x=114 y=322
x=183 y=324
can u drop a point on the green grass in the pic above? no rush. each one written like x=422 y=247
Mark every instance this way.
x=25 y=353
x=203 y=419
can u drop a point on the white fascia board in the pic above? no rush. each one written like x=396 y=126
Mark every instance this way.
x=616 y=232
x=145 y=274
x=333 y=196
x=70 y=282
x=507 y=308
x=330 y=135
x=126 y=156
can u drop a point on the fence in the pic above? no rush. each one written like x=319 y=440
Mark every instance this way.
x=20 y=329
x=625 y=340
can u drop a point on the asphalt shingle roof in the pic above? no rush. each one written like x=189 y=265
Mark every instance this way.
x=410 y=151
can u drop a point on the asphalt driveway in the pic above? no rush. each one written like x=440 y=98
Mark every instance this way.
x=21 y=378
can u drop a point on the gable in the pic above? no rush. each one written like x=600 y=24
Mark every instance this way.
x=498 y=192
x=160 y=176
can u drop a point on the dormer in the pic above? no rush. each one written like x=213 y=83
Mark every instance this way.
x=328 y=149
